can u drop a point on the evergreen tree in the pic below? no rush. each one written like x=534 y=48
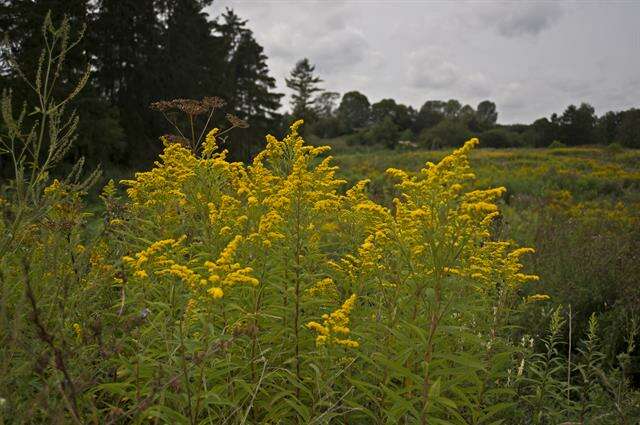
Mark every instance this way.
x=247 y=86
x=126 y=40
x=304 y=84
x=189 y=46
x=21 y=21
x=99 y=133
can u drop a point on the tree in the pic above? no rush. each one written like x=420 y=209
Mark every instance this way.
x=500 y=138
x=577 y=125
x=446 y=133
x=452 y=108
x=607 y=127
x=100 y=136
x=541 y=133
x=126 y=40
x=400 y=114
x=629 y=131
x=430 y=114
x=247 y=86
x=354 y=111
x=467 y=115
x=22 y=23
x=384 y=132
x=326 y=104
x=190 y=48
x=304 y=84
x=327 y=124
x=486 y=114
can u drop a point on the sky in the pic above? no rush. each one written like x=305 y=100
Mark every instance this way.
x=532 y=58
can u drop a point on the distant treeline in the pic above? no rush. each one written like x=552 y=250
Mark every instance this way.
x=445 y=123
x=143 y=51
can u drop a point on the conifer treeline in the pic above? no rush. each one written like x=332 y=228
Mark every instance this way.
x=142 y=51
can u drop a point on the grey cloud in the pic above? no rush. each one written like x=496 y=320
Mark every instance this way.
x=520 y=18
x=430 y=69
x=310 y=29
x=531 y=58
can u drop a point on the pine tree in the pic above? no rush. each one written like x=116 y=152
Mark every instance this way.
x=190 y=48
x=126 y=39
x=304 y=84
x=247 y=86
x=99 y=133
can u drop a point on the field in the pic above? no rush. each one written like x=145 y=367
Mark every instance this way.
x=233 y=281
x=292 y=291
x=579 y=208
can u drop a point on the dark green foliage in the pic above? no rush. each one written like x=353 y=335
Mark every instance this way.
x=142 y=51
x=354 y=111
x=629 y=131
x=100 y=133
x=401 y=115
x=328 y=127
x=430 y=114
x=385 y=132
x=541 y=133
x=577 y=125
x=304 y=84
x=448 y=132
x=486 y=113
x=245 y=84
x=500 y=138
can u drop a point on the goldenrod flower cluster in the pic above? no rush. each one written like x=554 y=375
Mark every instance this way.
x=335 y=326
x=224 y=272
x=279 y=241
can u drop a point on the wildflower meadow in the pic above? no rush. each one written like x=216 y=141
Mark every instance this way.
x=457 y=286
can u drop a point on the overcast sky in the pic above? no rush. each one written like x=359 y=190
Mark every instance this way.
x=531 y=58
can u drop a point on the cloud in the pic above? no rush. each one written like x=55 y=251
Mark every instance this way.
x=328 y=39
x=517 y=19
x=431 y=68
x=531 y=58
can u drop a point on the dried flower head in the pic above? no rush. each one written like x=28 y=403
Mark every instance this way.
x=213 y=102
x=190 y=106
x=161 y=106
x=237 y=122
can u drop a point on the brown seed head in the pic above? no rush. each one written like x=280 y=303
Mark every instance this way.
x=237 y=122
x=213 y=102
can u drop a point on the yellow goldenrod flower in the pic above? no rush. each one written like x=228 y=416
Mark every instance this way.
x=537 y=297
x=216 y=292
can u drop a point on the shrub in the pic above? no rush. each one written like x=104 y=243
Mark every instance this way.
x=445 y=133
x=556 y=144
x=615 y=148
x=501 y=138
